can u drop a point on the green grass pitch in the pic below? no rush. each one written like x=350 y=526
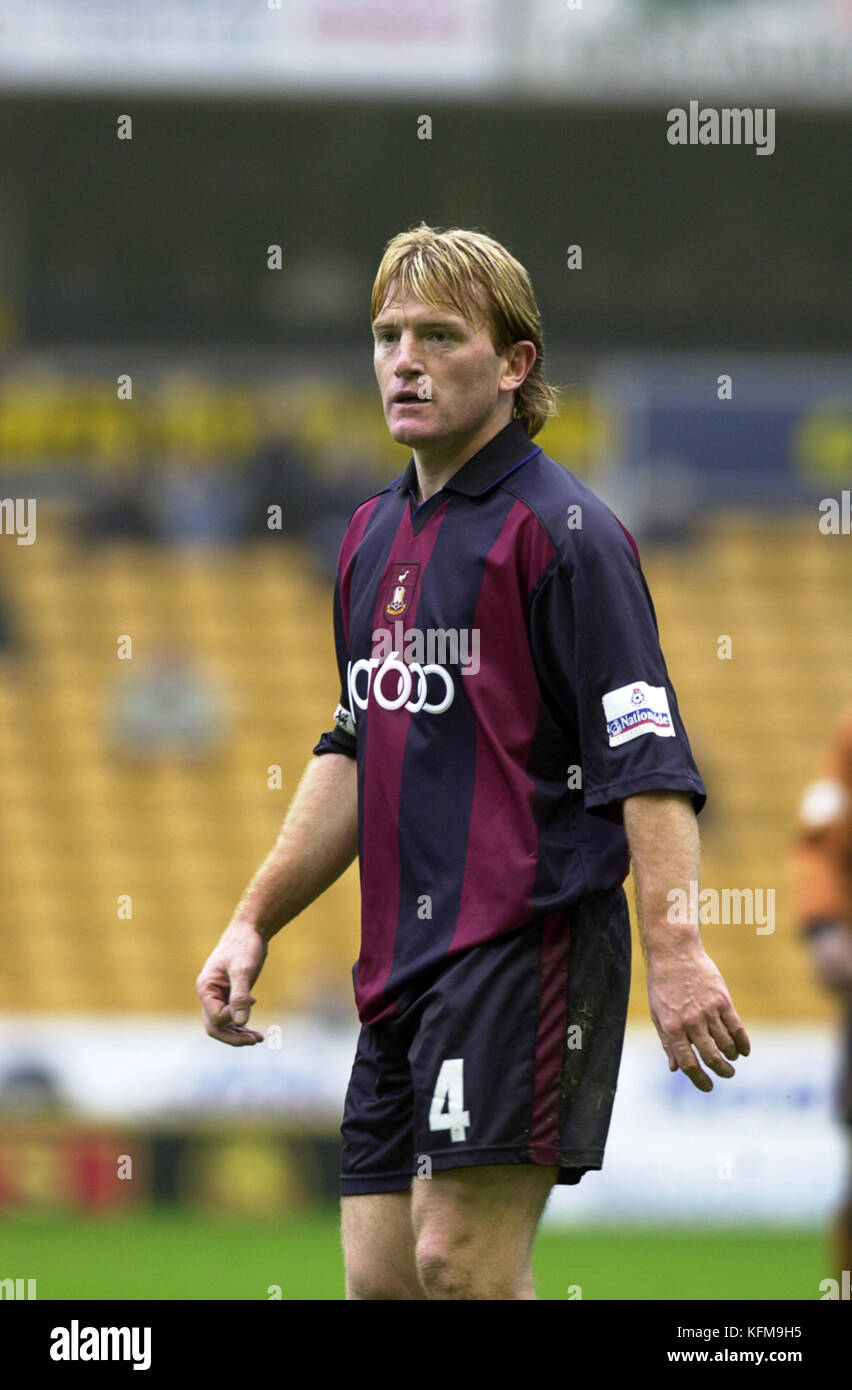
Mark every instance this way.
x=165 y=1255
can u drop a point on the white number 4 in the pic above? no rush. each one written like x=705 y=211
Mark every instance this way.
x=450 y=1088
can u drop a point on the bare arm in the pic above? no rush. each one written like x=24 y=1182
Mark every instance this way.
x=689 y=1001
x=317 y=842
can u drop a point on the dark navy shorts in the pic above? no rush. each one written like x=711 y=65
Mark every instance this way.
x=508 y=1053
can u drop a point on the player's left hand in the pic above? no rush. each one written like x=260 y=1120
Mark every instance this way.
x=693 y=1012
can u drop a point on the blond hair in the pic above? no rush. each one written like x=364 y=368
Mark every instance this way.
x=473 y=274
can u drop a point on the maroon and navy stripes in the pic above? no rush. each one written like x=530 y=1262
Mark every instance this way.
x=550 y=1038
x=505 y=721
x=468 y=827
x=389 y=846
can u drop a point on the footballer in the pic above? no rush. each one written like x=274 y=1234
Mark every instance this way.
x=494 y=805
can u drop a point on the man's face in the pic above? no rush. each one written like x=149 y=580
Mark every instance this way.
x=438 y=373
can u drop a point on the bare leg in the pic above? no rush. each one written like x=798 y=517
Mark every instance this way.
x=474 y=1230
x=378 y=1247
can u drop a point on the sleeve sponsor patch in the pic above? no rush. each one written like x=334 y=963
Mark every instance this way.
x=343 y=719
x=637 y=709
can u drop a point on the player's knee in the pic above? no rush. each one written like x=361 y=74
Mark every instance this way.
x=444 y=1274
x=376 y=1275
x=453 y=1265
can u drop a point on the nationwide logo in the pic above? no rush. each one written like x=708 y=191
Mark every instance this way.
x=636 y=718
x=636 y=709
x=393 y=685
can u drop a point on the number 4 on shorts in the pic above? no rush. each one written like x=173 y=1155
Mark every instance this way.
x=449 y=1088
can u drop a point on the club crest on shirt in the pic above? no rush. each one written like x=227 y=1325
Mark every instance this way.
x=401 y=586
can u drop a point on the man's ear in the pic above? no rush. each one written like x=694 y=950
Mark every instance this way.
x=520 y=360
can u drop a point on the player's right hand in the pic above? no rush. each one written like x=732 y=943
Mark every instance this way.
x=224 y=985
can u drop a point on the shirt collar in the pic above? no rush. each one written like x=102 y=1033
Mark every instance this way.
x=505 y=452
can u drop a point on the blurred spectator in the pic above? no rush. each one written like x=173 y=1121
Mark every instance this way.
x=194 y=500
x=316 y=501
x=29 y=1087
x=822 y=878
x=168 y=707
x=276 y=476
x=659 y=502
x=347 y=481
x=9 y=642
x=120 y=508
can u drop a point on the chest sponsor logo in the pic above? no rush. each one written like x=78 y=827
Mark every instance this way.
x=395 y=684
x=637 y=709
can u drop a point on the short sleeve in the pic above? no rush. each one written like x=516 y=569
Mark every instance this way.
x=341 y=738
x=596 y=650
